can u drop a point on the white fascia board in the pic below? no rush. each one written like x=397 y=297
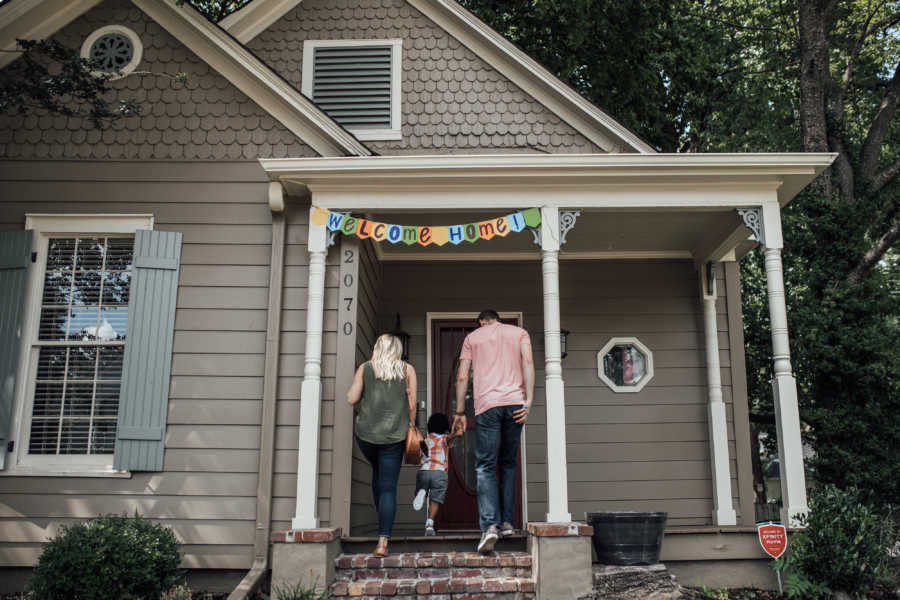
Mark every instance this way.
x=35 y=20
x=254 y=18
x=234 y=62
x=531 y=77
x=702 y=181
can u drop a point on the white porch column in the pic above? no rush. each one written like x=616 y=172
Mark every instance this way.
x=784 y=385
x=554 y=391
x=723 y=508
x=306 y=514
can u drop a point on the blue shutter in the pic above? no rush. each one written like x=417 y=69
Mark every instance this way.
x=15 y=256
x=144 y=395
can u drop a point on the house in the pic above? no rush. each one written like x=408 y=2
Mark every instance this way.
x=181 y=320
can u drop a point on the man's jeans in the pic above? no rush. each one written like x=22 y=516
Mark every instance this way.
x=497 y=441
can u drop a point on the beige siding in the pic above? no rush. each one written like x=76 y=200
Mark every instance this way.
x=648 y=450
x=452 y=102
x=207 y=490
x=205 y=118
x=362 y=508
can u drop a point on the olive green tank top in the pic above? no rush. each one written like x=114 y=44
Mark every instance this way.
x=383 y=410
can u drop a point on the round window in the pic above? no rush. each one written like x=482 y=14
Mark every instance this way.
x=113 y=49
x=625 y=364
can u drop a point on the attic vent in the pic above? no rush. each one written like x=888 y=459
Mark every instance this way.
x=356 y=83
x=112 y=52
x=114 y=48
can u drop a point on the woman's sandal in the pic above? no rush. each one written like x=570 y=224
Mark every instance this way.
x=381 y=548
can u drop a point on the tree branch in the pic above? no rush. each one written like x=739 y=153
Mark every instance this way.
x=875 y=253
x=871 y=148
x=842 y=165
x=885 y=177
x=837 y=107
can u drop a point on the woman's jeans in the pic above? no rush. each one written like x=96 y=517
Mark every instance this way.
x=497 y=441
x=385 y=460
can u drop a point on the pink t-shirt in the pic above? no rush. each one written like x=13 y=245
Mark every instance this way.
x=497 y=364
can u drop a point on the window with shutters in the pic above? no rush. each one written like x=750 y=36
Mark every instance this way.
x=74 y=339
x=356 y=83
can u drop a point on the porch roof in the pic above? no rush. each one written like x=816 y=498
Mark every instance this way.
x=418 y=183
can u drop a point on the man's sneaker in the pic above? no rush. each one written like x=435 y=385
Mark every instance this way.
x=506 y=530
x=488 y=539
x=419 y=500
x=429 y=530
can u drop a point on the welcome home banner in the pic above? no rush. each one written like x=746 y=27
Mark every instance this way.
x=427 y=234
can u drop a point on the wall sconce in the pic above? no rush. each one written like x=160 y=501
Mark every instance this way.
x=403 y=337
x=563 y=342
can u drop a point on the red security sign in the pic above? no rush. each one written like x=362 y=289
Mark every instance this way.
x=773 y=539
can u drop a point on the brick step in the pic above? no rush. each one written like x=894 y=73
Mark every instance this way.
x=472 y=588
x=413 y=565
x=444 y=575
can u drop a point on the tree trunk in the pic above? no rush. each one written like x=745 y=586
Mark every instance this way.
x=813 y=80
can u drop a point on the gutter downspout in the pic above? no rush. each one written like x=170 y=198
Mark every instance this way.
x=270 y=383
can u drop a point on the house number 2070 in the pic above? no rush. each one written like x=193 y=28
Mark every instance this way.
x=347 y=282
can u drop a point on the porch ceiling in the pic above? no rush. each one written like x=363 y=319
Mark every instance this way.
x=597 y=234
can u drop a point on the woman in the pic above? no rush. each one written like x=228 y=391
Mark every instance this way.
x=385 y=388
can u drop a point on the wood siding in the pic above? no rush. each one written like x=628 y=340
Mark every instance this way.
x=362 y=507
x=636 y=451
x=204 y=118
x=207 y=489
x=452 y=100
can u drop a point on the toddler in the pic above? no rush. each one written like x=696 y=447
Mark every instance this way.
x=432 y=476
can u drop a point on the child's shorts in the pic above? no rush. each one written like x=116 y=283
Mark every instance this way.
x=434 y=483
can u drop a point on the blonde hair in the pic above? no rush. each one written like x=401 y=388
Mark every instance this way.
x=386 y=361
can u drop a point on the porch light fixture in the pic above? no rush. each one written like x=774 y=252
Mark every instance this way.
x=403 y=337
x=563 y=342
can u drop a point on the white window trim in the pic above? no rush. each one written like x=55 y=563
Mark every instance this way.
x=625 y=341
x=45 y=226
x=306 y=83
x=138 y=48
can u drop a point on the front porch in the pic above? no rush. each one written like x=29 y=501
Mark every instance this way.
x=640 y=248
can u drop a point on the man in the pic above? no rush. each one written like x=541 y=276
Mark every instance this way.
x=503 y=367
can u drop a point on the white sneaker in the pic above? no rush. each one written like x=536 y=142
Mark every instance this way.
x=419 y=500
x=488 y=539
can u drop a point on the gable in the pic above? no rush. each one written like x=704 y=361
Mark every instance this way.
x=452 y=100
x=207 y=118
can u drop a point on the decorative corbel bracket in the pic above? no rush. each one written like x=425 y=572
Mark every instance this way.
x=752 y=218
x=276 y=197
x=567 y=220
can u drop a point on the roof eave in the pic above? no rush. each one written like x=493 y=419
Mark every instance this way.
x=789 y=173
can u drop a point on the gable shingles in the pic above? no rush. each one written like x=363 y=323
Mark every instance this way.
x=205 y=119
x=453 y=101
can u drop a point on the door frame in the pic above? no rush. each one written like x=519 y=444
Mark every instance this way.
x=429 y=368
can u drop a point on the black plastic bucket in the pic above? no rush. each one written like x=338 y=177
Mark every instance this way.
x=627 y=538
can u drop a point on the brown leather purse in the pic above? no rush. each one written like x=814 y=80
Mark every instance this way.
x=413 y=453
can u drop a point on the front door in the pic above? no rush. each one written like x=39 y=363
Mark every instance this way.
x=460 y=510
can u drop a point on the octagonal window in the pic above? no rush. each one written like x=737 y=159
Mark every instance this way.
x=625 y=364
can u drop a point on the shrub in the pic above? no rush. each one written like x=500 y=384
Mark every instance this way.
x=105 y=558
x=845 y=546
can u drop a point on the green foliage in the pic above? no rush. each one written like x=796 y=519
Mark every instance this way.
x=108 y=557
x=299 y=591
x=179 y=592
x=845 y=546
x=215 y=10
x=54 y=78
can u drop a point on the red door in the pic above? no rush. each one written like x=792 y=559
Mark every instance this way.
x=460 y=510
